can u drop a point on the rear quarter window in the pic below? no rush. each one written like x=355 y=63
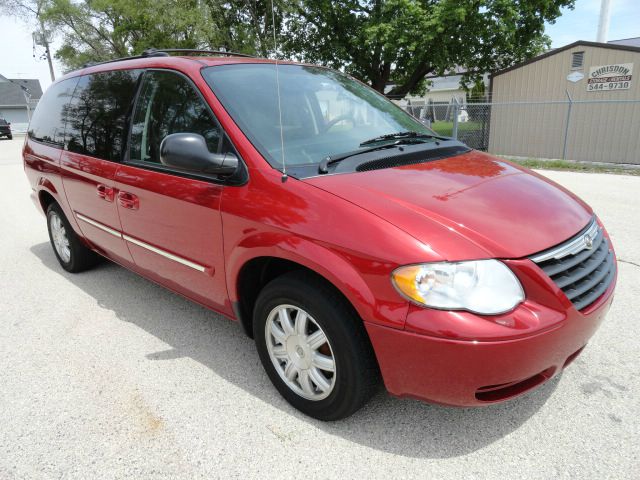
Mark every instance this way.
x=96 y=117
x=47 y=123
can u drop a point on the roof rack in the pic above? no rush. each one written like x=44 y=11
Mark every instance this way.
x=196 y=51
x=154 y=52
x=151 y=52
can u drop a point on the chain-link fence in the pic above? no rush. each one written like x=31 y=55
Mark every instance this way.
x=592 y=131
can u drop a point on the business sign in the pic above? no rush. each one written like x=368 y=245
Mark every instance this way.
x=610 y=77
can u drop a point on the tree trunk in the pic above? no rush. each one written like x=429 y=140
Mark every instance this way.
x=383 y=72
x=415 y=78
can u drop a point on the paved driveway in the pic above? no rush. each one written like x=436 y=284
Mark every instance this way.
x=106 y=375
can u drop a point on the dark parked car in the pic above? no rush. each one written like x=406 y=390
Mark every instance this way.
x=5 y=129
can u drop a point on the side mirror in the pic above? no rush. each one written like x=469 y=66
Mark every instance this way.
x=188 y=151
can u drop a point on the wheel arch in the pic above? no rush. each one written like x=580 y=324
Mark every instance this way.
x=249 y=274
x=45 y=199
x=47 y=194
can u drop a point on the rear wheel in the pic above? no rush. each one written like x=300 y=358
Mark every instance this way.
x=71 y=253
x=314 y=347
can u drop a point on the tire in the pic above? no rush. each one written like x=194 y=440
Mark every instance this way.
x=10 y=137
x=76 y=257
x=356 y=375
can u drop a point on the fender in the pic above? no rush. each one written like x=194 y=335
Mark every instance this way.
x=326 y=262
x=46 y=185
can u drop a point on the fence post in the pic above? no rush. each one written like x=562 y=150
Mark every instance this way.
x=454 y=132
x=566 y=128
x=484 y=142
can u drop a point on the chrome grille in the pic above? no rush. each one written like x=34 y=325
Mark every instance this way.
x=582 y=267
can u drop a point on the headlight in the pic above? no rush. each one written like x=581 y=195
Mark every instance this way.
x=487 y=287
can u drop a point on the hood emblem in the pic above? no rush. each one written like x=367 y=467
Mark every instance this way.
x=588 y=242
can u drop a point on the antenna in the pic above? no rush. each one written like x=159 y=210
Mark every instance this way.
x=275 y=48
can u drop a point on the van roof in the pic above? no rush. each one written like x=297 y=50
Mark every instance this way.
x=180 y=61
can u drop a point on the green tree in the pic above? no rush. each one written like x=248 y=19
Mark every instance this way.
x=96 y=30
x=400 y=41
x=246 y=26
x=377 y=41
x=476 y=92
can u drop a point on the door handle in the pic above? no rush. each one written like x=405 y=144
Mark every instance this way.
x=128 y=200
x=105 y=192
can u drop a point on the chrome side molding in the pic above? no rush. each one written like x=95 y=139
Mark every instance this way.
x=99 y=225
x=164 y=253
x=140 y=243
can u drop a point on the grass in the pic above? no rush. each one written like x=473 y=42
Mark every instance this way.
x=570 y=166
x=446 y=128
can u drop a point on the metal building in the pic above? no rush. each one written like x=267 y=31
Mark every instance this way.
x=579 y=102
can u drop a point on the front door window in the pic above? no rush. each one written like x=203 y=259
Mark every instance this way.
x=168 y=103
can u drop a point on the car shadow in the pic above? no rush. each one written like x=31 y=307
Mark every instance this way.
x=400 y=426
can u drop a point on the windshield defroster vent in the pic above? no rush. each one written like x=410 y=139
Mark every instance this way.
x=412 y=158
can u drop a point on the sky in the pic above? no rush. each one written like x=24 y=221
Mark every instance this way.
x=17 y=61
x=582 y=22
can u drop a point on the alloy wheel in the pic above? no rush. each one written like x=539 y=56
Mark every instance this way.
x=60 y=238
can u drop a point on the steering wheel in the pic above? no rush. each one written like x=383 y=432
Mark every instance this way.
x=338 y=119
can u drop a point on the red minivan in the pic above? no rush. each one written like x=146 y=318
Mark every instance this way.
x=350 y=241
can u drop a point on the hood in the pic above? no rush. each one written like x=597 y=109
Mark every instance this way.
x=468 y=206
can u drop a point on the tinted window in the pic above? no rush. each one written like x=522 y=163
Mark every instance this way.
x=168 y=103
x=323 y=112
x=47 y=123
x=96 y=116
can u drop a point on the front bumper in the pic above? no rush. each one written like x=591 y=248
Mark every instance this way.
x=472 y=372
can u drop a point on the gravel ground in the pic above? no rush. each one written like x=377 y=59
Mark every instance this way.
x=106 y=375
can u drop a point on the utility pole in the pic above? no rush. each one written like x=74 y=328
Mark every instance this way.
x=603 y=24
x=47 y=51
x=31 y=11
x=40 y=38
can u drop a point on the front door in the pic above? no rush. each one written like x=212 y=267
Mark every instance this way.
x=170 y=219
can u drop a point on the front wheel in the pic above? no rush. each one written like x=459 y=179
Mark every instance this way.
x=314 y=347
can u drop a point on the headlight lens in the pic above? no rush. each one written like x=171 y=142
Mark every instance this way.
x=487 y=287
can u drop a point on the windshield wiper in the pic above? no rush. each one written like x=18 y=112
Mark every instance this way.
x=330 y=160
x=398 y=136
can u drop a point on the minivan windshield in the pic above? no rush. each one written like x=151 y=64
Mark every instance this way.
x=324 y=112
